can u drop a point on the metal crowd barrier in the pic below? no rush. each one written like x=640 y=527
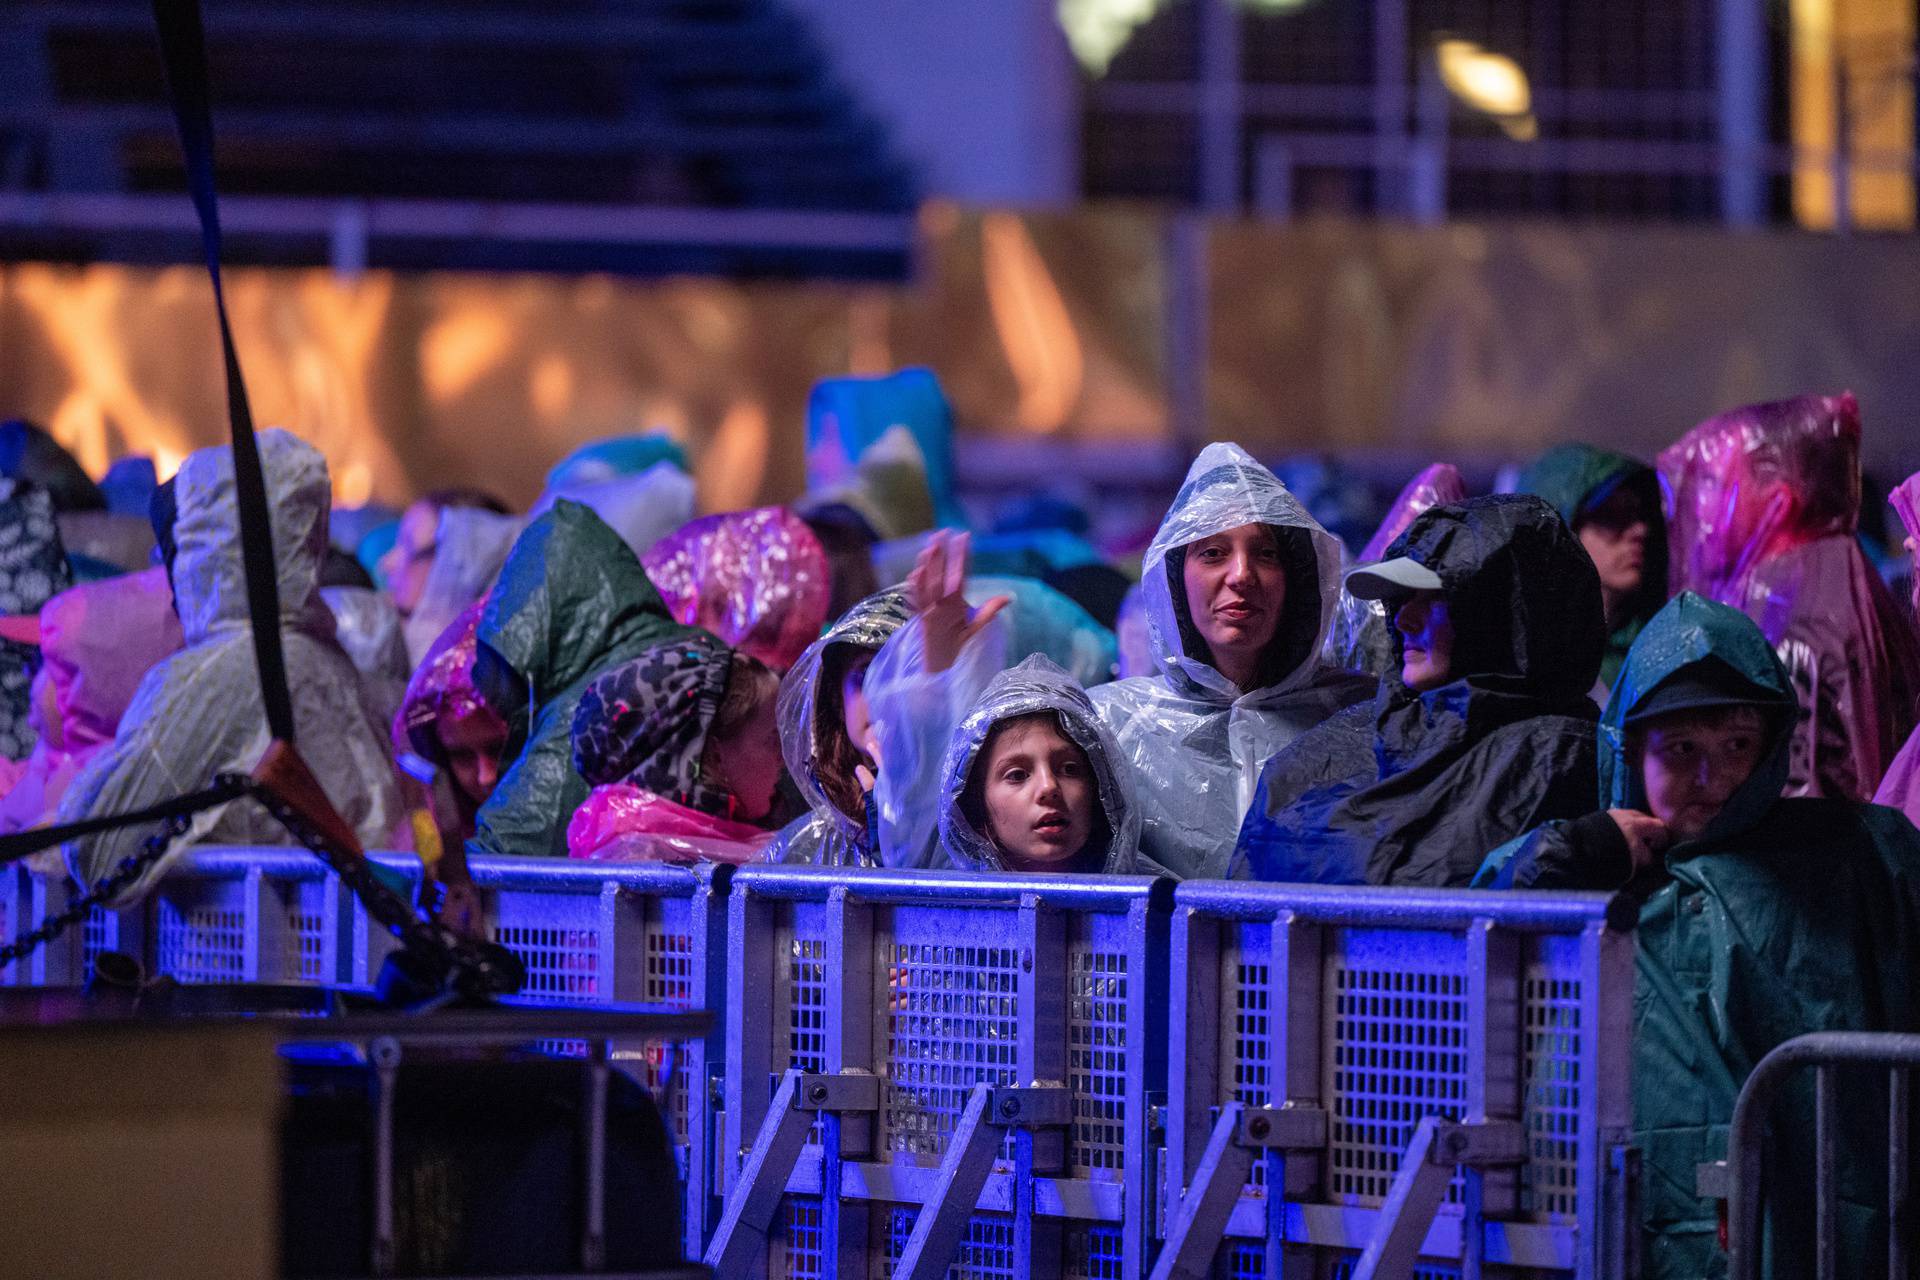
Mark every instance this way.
x=913 y=1072
x=1741 y=1181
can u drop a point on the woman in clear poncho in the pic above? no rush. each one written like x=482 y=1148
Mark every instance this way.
x=1240 y=584
x=757 y=579
x=1763 y=505
x=198 y=712
x=1078 y=806
x=824 y=729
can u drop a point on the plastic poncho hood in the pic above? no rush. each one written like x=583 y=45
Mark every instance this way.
x=198 y=712
x=470 y=546
x=1359 y=636
x=1035 y=687
x=800 y=708
x=572 y=601
x=1224 y=489
x=757 y=579
x=1192 y=741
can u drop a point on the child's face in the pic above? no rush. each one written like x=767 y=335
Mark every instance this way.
x=1039 y=793
x=1692 y=762
x=853 y=702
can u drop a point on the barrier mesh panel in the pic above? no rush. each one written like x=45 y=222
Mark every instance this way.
x=985 y=1252
x=201 y=943
x=9 y=926
x=1097 y=1061
x=1092 y=1253
x=557 y=938
x=1343 y=1270
x=807 y=1013
x=1398 y=1014
x=1246 y=1059
x=306 y=934
x=1550 y=1066
x=666 y=972
x=795 y=1246
x=952 y=1024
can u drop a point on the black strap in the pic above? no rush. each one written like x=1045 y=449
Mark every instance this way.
x=183 y=48
x=21 y=844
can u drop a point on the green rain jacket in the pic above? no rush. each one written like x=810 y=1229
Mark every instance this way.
x=1576 y=478
x=1786 y=916
x=572 y=601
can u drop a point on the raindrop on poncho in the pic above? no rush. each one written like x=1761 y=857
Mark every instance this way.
x=1036 y=686
x=1360 y=639
x=1763 y=503
x=757 y=579
x=199 y=711
x=1193 y=741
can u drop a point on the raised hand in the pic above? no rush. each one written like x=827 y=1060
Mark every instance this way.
x=935 y=590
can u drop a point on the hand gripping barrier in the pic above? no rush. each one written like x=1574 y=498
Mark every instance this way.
x=928 y=1069
x=933 y=1070
x=1393 y=1082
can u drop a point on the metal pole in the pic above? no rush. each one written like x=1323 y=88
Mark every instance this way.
x=1220 y=117
x=1842 y=147
x=1427 y=175
x=1741 y=56
x=1390 y=99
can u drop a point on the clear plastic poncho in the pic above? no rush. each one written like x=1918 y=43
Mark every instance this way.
x=1035 y=686
x=1361 y=638
x=470 y=547
x=1193 y=740
x=826 y=835
x=1762 y=505
x=758 y=579
x=368 y=627
x=199 y=712
x=642 y=508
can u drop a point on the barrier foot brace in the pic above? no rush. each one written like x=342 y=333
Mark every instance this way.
x=750 y=1211
x=1437 y=1148
x=990 y=1112
x=1199 y=1221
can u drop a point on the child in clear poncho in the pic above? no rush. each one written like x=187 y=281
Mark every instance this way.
x=682 y=747
x=1029 y=781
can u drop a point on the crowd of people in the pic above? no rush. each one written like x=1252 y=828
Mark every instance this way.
x=1686 y=680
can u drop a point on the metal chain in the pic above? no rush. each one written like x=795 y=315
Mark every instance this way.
x=130 y=869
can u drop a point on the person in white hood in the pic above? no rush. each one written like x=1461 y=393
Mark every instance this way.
x=199 y=712
x=1239 y=585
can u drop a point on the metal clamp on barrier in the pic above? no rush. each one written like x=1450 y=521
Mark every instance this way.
x=1438 y=1147
x=990 y=1112
x=1199 y=1220
x=776 y=1149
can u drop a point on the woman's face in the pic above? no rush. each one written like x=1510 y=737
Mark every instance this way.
x=1236 y=588
x=472 y=744
x=749 y=763
x=853 y=702
x=1426 y=631
x=1039 y=794
x=1615 y=536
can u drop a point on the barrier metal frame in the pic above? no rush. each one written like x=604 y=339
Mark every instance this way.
x=981 y=1053
x=1742 y=1178
x=1509 y=1017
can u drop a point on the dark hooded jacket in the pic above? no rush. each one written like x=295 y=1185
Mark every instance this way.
x=807 y=708
x=1414 y=790
x=572 y=601
x=1786 y=916
x=1576 y=479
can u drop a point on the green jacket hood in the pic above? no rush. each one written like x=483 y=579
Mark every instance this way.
x=1576 y=478
x=570 y=594
x=1689 y=631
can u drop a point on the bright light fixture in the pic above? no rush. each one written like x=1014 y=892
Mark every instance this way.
x=1491 y=83
x=1097 y=30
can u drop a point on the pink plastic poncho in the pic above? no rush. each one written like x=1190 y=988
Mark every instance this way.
x=97 y=643
x=757 y=579
x=624 y=823
x=1435 y=486
x=1900 y=789
x=1762 y=504
x=442 y=683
